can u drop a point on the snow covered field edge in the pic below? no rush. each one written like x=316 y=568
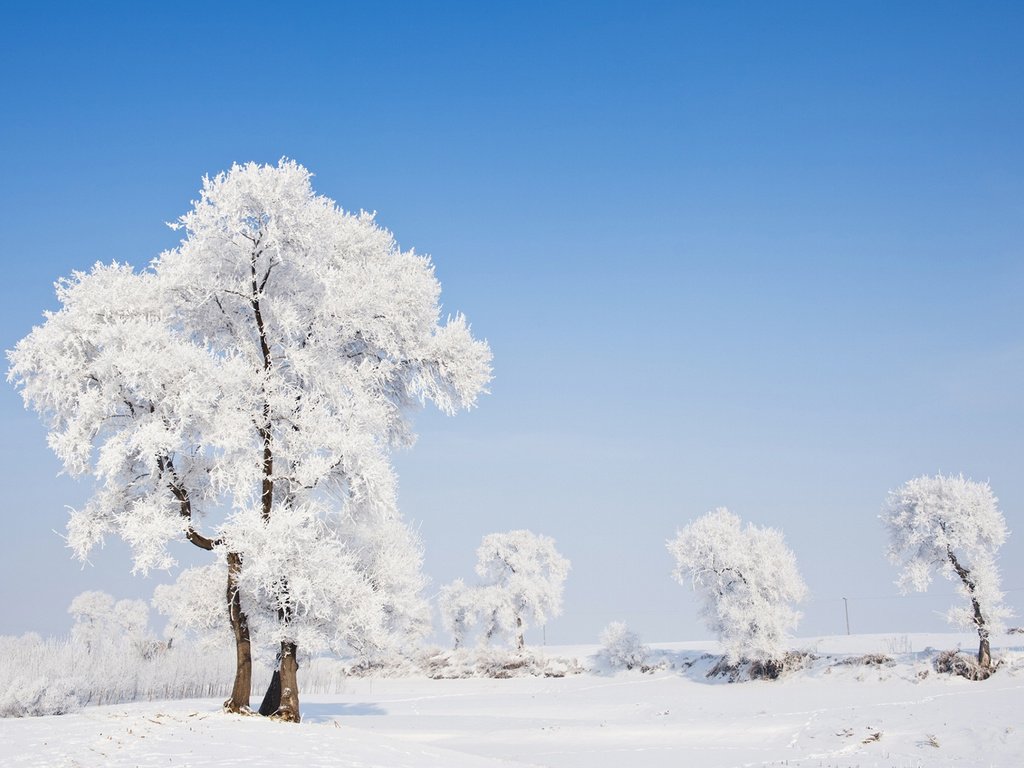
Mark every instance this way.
x=838 y=710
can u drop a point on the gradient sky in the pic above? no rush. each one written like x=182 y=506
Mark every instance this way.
x=766 y=256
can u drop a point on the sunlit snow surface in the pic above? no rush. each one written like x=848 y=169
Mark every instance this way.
x=830 y=714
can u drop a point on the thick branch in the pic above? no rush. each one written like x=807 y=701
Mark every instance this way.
x=166 y=467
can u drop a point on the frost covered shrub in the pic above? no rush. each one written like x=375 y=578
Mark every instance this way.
x=495 y=663
x=25 y=697
x=952 y=526
x=761 y=669
x=328 y=675
x=46 y=677
x=868 y=659
x=955 y=663
x=748 y=582
x=622 y=648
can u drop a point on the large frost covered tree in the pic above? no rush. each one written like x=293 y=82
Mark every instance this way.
x=748 y=581
x=953 y=526
x=522 y=577
x=261 y=371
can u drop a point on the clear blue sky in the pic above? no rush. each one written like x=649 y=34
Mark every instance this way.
x=766 y=256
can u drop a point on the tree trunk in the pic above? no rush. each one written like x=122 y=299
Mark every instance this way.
x=288 y=668
x=520 y=640
x=242 y=689
x=984 y=652
x=289 y=708
x=272 y=699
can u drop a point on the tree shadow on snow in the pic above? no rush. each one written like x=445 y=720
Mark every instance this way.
x=322 y=712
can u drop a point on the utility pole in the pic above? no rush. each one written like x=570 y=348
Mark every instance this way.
x=846 y=608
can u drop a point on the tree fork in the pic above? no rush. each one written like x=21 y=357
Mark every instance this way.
x=166 y=466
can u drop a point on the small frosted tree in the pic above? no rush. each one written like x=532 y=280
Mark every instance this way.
x=522 y=577
x=93 y=612
x=102 y=623
x=953 y=526
x=621 y=647
x=748 y=581
x=460 y=609
x=194 y=605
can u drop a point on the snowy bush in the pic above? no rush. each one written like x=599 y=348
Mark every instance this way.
x=48 y=677
x=953 y=526
x=25 y=697
x=748 y=582
x=869 y=660
x=498 y=663
x=955 y=663
x=621 y=648
x=761 y=669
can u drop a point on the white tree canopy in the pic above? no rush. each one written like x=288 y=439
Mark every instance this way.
x=262 y=370
x=748 y=582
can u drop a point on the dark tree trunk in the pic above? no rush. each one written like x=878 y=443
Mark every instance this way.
x=272 y=699
x=984 y=651
x=520 y=640
x=240 y=691
x=242 y=688
x=289 y=708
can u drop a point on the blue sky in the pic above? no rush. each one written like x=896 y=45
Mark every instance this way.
x=763 y=256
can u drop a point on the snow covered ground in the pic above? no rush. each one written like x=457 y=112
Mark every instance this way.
x=830 y=714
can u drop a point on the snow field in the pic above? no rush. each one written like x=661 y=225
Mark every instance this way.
x=829 y=714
